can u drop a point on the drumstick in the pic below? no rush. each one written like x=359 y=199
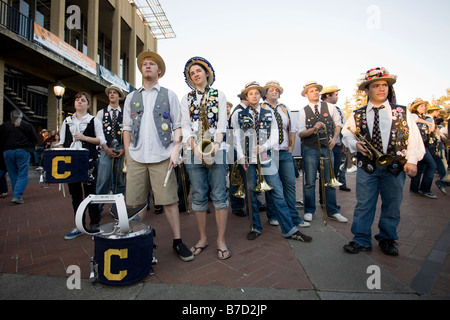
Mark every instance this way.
x=168 y=176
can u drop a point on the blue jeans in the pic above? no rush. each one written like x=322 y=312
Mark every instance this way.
x=282 y=213
x=203 y=178
x=286 y=171
x=311 y=162
x=106 y=181
x=368 y=188
x=425 y=171
x=17 y=163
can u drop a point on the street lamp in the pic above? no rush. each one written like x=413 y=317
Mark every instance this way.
x=59 y=89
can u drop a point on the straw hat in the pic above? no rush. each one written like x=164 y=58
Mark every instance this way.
x=43 y=130
x=377 y=74
x=205 y=63
x=253 y=85
x=309 y=85
x=416 y=103
x=329 y=90
x=433 y=108
x=155 y=57
x=274 y=84
x=116 y=88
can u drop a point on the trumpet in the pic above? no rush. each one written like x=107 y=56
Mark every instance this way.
x=124 y=168
x=383 y=160
x=262 y=185
x=333 y=182
x=236 y=180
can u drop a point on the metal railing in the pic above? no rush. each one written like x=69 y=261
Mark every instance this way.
x=13 y=20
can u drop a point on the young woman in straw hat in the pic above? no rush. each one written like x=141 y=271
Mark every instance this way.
x=204 y=121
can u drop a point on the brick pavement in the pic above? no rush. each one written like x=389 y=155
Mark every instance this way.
x=32 y=242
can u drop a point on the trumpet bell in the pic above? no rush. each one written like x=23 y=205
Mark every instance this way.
x=240 y=193
x=262 y=187
x=385 y=160
x=333 y=183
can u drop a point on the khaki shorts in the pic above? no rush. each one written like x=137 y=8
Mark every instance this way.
x=141 y=177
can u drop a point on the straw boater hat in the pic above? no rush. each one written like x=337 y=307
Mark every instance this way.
x=116 y=88
x=433 y=108
x=253 y=85
x=329 y=90
x=205 y=63
x=309 y=85
x=43 y=130
x=275 y=84
x=416 y=103
x=154 y=56
x=377 y=74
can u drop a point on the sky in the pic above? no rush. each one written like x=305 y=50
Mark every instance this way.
x=296 y=41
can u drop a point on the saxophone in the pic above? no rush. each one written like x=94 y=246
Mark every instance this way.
x=205 y=145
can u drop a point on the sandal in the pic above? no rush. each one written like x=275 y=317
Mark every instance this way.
x=198 y=248
x=223 y=252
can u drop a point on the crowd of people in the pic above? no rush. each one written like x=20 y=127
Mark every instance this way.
x=205 y=140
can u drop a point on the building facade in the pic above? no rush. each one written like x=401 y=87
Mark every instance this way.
x=85 y=44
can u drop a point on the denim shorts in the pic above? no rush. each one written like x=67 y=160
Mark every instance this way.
x=204 y=179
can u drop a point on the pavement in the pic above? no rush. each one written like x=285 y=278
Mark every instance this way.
x=35 y=258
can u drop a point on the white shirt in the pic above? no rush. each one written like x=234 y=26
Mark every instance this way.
x=334 y=113
x=76 y=125
x=285 y=144
x=191 y=128
x=101 y=113
x=149 y=148
x=415 y=149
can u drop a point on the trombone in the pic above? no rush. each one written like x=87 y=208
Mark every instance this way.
x=333 y=182
x=383 y=160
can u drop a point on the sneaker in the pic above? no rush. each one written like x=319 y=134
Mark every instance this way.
x=353 y=247
x=239 y=213
x=389 y=247
x=300 y=237
x=303 y=224
x=252 y=235
x=338 y=217
x=429 y=195
x=39 y=169
x=441 y=188
x=308 y=217
x=18 y=201
x=274 y=222
x=184 y=253
x=75 y=233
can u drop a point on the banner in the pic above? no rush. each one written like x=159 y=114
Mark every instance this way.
x=55 y=44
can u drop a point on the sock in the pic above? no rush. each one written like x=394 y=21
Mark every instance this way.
x=176 y=242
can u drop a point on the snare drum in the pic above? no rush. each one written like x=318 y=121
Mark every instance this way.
x=66 y=165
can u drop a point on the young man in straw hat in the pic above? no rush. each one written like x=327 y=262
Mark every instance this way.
x=330 y=95
x=283 y=153
x=437 y=149
x=312 y=120
x=389 y=128
x=110 y=176
x=422 y=182
x=258 y=122
x=204 y=119
x=152 y=141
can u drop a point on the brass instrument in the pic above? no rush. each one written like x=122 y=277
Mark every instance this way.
x=383 y=160
x=350 y=161
x=333 y=182
x=262 y=185
x=124 y=168
x=205 y=145
x=236 y=180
